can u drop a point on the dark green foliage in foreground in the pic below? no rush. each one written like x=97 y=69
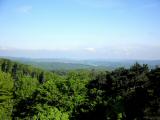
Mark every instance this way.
x=28 y=93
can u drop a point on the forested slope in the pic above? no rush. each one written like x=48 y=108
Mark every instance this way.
x=30 y=93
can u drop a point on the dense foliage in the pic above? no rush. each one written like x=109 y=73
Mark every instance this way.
x=123 y=94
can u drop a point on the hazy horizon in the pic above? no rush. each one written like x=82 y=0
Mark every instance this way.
x=80 y=29
x=76 y=59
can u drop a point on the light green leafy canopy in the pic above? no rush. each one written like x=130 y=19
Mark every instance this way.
x=6 y=89
x=46 y=112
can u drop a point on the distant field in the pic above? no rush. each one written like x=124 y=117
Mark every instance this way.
x=70 y=64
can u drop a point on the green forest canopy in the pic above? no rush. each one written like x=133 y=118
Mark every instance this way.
x=28 y=93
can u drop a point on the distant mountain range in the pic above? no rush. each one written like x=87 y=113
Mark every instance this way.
x=72 y=64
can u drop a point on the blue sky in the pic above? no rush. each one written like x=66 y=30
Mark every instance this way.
x=89 y=29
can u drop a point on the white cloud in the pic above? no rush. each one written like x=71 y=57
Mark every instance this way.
x=6 y=48
x=3 y=48
x=90 y=49
x=25 y=9
x=56 y=49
